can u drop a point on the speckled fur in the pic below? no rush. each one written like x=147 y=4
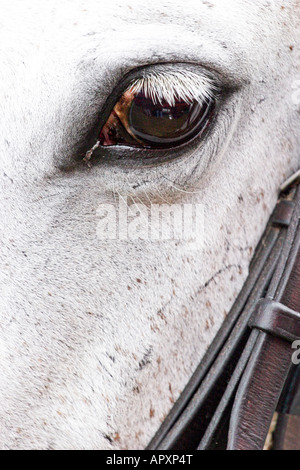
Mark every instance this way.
x=98 y=339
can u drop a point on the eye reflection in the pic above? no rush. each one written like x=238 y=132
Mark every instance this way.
x=138 y=120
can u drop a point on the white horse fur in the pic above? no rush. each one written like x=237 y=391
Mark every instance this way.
x=98 y=338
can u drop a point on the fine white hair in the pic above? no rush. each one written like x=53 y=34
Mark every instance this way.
x=173 y=85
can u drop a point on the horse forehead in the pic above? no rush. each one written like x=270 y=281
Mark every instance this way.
x=61 y=34
x=69 y=18
x=93 y=11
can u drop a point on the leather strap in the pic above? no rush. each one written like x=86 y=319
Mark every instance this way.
x=287 y=430
x=276 y=319
x=271 y=358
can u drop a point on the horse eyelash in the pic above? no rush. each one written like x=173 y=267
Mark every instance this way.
x=175 y=85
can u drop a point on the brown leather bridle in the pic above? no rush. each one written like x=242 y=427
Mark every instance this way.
x=247 y=377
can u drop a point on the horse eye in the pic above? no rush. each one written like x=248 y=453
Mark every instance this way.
x=138 y=120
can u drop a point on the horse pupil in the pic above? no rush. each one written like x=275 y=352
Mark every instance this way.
x=162 y=124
